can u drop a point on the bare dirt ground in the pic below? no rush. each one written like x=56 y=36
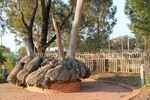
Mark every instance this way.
x=126 y=78
x=129 y=79
x=144 y=94
x=91 y=90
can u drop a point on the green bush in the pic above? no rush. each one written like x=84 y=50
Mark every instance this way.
x=0 y=76
x=9 y=65
x=147 y=79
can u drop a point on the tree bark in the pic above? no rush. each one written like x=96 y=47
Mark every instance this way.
x=58 y=37
x=30 y=26
x=61 y=26
x=46 y=5
x=75 y=27
x=28 y=47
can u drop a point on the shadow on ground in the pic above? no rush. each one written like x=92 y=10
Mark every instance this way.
x=131 y=79
x=97 y=86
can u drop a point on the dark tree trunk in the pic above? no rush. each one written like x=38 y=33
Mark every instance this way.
x=46 y=5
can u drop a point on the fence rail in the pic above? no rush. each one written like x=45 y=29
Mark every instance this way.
x=113 y=61
x=116 y=61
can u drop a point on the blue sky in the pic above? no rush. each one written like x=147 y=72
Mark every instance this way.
x=120 y=28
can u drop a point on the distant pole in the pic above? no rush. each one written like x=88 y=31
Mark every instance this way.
x=121 y=43
x=109 y=43
x=144 y=42
x=1 y=39
x=128 y=43
x=16 y=43
x=3 y=72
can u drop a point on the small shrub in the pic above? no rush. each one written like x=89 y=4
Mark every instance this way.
x=0 y=76
x=147 y=79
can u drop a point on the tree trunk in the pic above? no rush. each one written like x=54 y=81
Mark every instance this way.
x=58 y=37
x=28 y=47
x=46 y=5
x=75 y=27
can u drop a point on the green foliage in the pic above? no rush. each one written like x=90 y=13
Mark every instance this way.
x=98 y=21
x=3 y=50
x=95 y=43
x=9 y=64
x=147 y=79
x=0 y=76
x=57 y=7
x=121 y=42
x=2 y=58
x=138 y=11
x=6 y=58
x=22 y=52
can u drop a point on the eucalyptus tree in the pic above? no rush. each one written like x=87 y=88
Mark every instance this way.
x=97 y=23
x=40 y=72
x=36 y=23
x=124 y=43
x=3 y=24
x=138 y=13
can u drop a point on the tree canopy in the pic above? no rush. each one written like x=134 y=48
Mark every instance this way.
x=32 y=19
x=138 y=11
x=99 y=16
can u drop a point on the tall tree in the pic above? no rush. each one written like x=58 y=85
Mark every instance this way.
x=75 y=27
x=138 y=13
x=123 y=43
x=3 y=24
x=36 y=23
x=97 y=24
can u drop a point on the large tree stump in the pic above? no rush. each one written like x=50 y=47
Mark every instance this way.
x=43 y=72
x=33 y=65
x=18 y=67
x=36 y=78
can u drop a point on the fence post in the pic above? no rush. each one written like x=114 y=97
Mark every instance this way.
x=142 y=75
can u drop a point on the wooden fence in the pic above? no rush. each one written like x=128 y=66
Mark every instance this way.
x=113 y=61
x=116 y=61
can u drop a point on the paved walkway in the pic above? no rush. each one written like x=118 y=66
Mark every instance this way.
x=91 y=90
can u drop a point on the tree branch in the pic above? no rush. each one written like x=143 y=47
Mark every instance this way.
x=64 y=21
x=33 y=15
x=58 y=37
x=23 y=20
x=43 y=8
x=61 y=26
